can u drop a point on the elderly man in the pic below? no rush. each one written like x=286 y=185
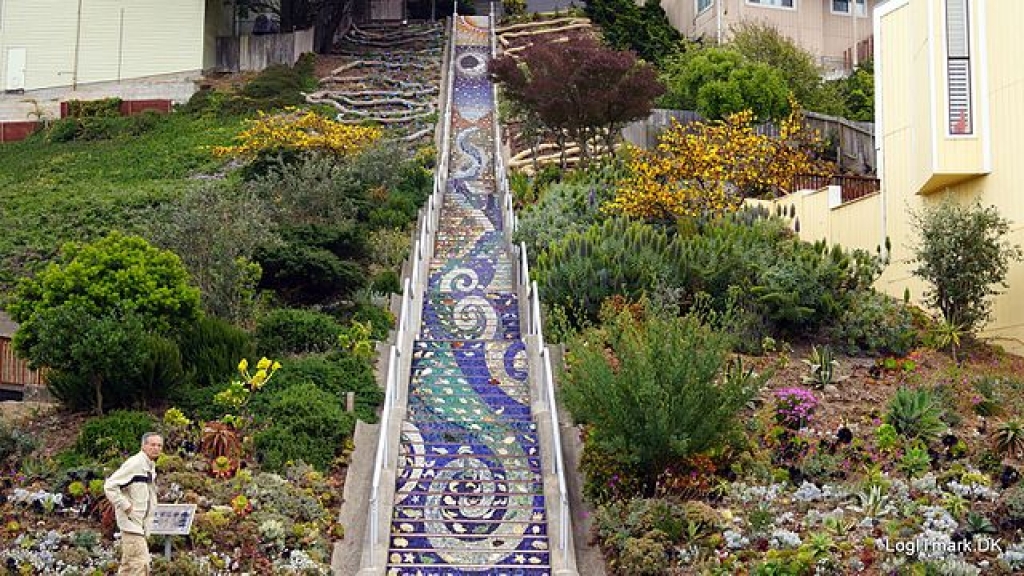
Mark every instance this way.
x=132 y=491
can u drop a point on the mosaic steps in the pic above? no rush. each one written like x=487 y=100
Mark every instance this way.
x=531 y=539
x=449 y=571
x=463 y=347
x=428 y=447
x=415 y=513
x=444 y=366
x=469 y=492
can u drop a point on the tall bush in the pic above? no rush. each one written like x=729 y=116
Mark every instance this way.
x=962 y=253
x=655 y=389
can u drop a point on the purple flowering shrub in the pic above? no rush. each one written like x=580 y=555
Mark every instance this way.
x=794 y=406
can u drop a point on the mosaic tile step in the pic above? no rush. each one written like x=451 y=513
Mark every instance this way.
x=470 y=378
x=478 y=541
x=464 y=348
x=537 y=559
x=439 y=411
x=454 y=571
x=471 y=464
x=527 y=524
x=515 y=514
x=445 y=433
x=498 y=405
x=425 y=415
x=520 y=394
x=485 y=430
x=415 y=569
x=445 y=448
x=500 y=369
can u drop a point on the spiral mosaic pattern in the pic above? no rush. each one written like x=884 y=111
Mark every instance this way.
x=469 y=494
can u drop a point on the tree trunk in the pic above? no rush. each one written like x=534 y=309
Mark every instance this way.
x=330 y=17
x=97 y=384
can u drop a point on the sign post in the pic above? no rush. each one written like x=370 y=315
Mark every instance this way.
x=172 y=520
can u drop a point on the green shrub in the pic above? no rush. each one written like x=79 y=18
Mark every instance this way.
x=334 y=374
x=15 y=446
x=963 y=255
x=277 y=86
x=386 y=282
x=664 y=395
x=618 y=257
x=161 y=371
x=915 y=414
x=1011 y=506
x=102 y=108
x=308 y=275
x=294 y=331
x=211 y=349
x=636 y=534
x=564 y=208
x=119 y=432
x=308 y=424
x=380 y=320
x=875 y=324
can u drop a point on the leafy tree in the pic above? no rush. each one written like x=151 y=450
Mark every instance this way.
x=84 y=314
x=644 y=29
x=858 y=91
x=91 y=356
x=719 y=81
x=655 y=389
x=759 y=42
x=579 y=89
x=708 y=168
x=216 y=232
x=963 y=254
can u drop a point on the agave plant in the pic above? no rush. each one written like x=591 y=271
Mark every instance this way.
x=915 y=413
x=1009 y=438
x=823 y=365
x=979 y=524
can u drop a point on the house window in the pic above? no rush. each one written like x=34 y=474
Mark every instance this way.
x=774 y=3
x=703 y=5
x=843 y=7
x=958 y=67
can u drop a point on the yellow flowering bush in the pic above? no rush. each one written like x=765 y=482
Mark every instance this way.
x=708 y=168
x=303 y=131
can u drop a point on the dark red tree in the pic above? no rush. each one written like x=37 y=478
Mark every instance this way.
x=579 y=89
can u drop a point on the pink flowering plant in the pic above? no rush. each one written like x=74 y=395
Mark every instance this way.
x=794 y=406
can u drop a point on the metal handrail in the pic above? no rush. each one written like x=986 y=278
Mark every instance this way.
x=535 y=325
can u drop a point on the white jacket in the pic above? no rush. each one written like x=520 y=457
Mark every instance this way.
x=134 y=484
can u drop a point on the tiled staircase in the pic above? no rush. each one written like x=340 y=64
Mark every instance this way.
x=469 y=495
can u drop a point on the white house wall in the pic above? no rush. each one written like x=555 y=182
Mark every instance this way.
x=115 y=39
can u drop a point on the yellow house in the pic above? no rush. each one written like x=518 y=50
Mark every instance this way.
x=836 y=32
x=949 y=123
x=58 y=43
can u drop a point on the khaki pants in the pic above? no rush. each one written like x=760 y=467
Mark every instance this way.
x=134 y=555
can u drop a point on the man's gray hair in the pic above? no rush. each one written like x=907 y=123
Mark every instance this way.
x=149 y=435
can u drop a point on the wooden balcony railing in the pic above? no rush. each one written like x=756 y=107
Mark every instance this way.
x=852 y=187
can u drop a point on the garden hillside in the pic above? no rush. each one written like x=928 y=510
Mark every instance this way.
x=219 y=275
x=749 y=404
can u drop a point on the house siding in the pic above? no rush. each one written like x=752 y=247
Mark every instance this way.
x=156 y=38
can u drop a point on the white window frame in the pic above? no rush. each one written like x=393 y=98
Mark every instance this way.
x=696 y=6
x=862 y=8
x=962 y=61
x=774 y=4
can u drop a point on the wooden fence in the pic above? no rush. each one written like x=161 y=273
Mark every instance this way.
x=852 y=187
x=15 y=375
x=252 y=53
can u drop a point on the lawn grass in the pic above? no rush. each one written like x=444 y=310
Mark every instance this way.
x=52 y=193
